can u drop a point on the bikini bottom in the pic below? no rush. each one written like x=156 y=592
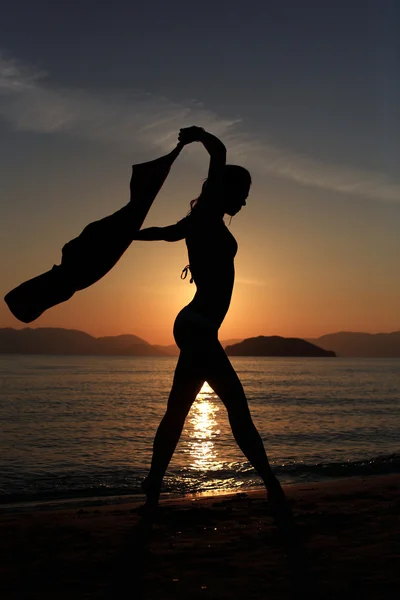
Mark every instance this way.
x=194 y=330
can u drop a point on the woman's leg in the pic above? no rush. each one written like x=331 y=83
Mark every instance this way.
x=222 y=377
x=207 y=361
x=186 y=385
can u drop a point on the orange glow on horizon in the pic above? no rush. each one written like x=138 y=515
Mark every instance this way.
x=293 y=294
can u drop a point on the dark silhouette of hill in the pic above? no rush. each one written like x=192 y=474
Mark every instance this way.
x=127 y=344
x=276 y=346
x=171 y=350
x=230 y=342
x=54 y=340
x=363 y=345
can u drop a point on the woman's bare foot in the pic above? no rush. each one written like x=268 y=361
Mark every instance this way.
x=152 y=489
x=278 y=503
x=282 y=514
x=274 y=491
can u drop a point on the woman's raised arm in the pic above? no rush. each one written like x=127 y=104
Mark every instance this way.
x=211 y=143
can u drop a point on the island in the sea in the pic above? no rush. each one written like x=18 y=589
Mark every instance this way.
x=276 y=346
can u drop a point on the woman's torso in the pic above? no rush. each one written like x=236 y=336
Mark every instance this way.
x=211 y=248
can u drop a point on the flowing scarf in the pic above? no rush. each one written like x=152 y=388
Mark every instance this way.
x=87 y=258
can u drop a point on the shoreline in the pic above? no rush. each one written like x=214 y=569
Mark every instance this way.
x=215 y=546
x=136 y=499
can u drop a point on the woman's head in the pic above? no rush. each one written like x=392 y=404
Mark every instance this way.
x=230 y=194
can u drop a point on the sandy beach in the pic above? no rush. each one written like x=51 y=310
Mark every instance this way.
x=345 y=544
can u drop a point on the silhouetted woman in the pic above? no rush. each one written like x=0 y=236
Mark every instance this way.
x=212 y=249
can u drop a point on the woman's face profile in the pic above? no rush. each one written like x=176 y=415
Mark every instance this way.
x=235 y=195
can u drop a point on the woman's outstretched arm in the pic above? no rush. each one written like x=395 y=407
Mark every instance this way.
x=171 y=233
x=211 y=143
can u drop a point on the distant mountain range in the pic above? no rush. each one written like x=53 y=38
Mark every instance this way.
x=49 y=340
x=55 y=340
x=52 y=340
x=276 y=346
x=366 y=345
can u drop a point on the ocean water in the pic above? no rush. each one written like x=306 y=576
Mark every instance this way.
x=83 y=427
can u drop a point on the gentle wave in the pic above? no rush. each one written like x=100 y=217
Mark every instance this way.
x=123 y=483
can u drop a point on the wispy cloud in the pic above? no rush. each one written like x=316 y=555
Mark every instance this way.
x=30 y=103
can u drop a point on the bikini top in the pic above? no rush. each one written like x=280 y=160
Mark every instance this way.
x=226 y=243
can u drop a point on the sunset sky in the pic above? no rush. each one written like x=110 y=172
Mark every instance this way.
x=305 y=94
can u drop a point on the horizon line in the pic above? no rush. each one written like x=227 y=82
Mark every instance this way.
x=240 y=339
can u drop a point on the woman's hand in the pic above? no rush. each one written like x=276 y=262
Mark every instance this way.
x=187 y=135
x=212 y=144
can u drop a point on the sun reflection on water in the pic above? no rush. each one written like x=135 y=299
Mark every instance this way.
x=203 y=431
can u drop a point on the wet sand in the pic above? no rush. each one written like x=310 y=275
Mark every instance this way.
x=345 y=543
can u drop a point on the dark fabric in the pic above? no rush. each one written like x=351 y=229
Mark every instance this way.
x=87 y=258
